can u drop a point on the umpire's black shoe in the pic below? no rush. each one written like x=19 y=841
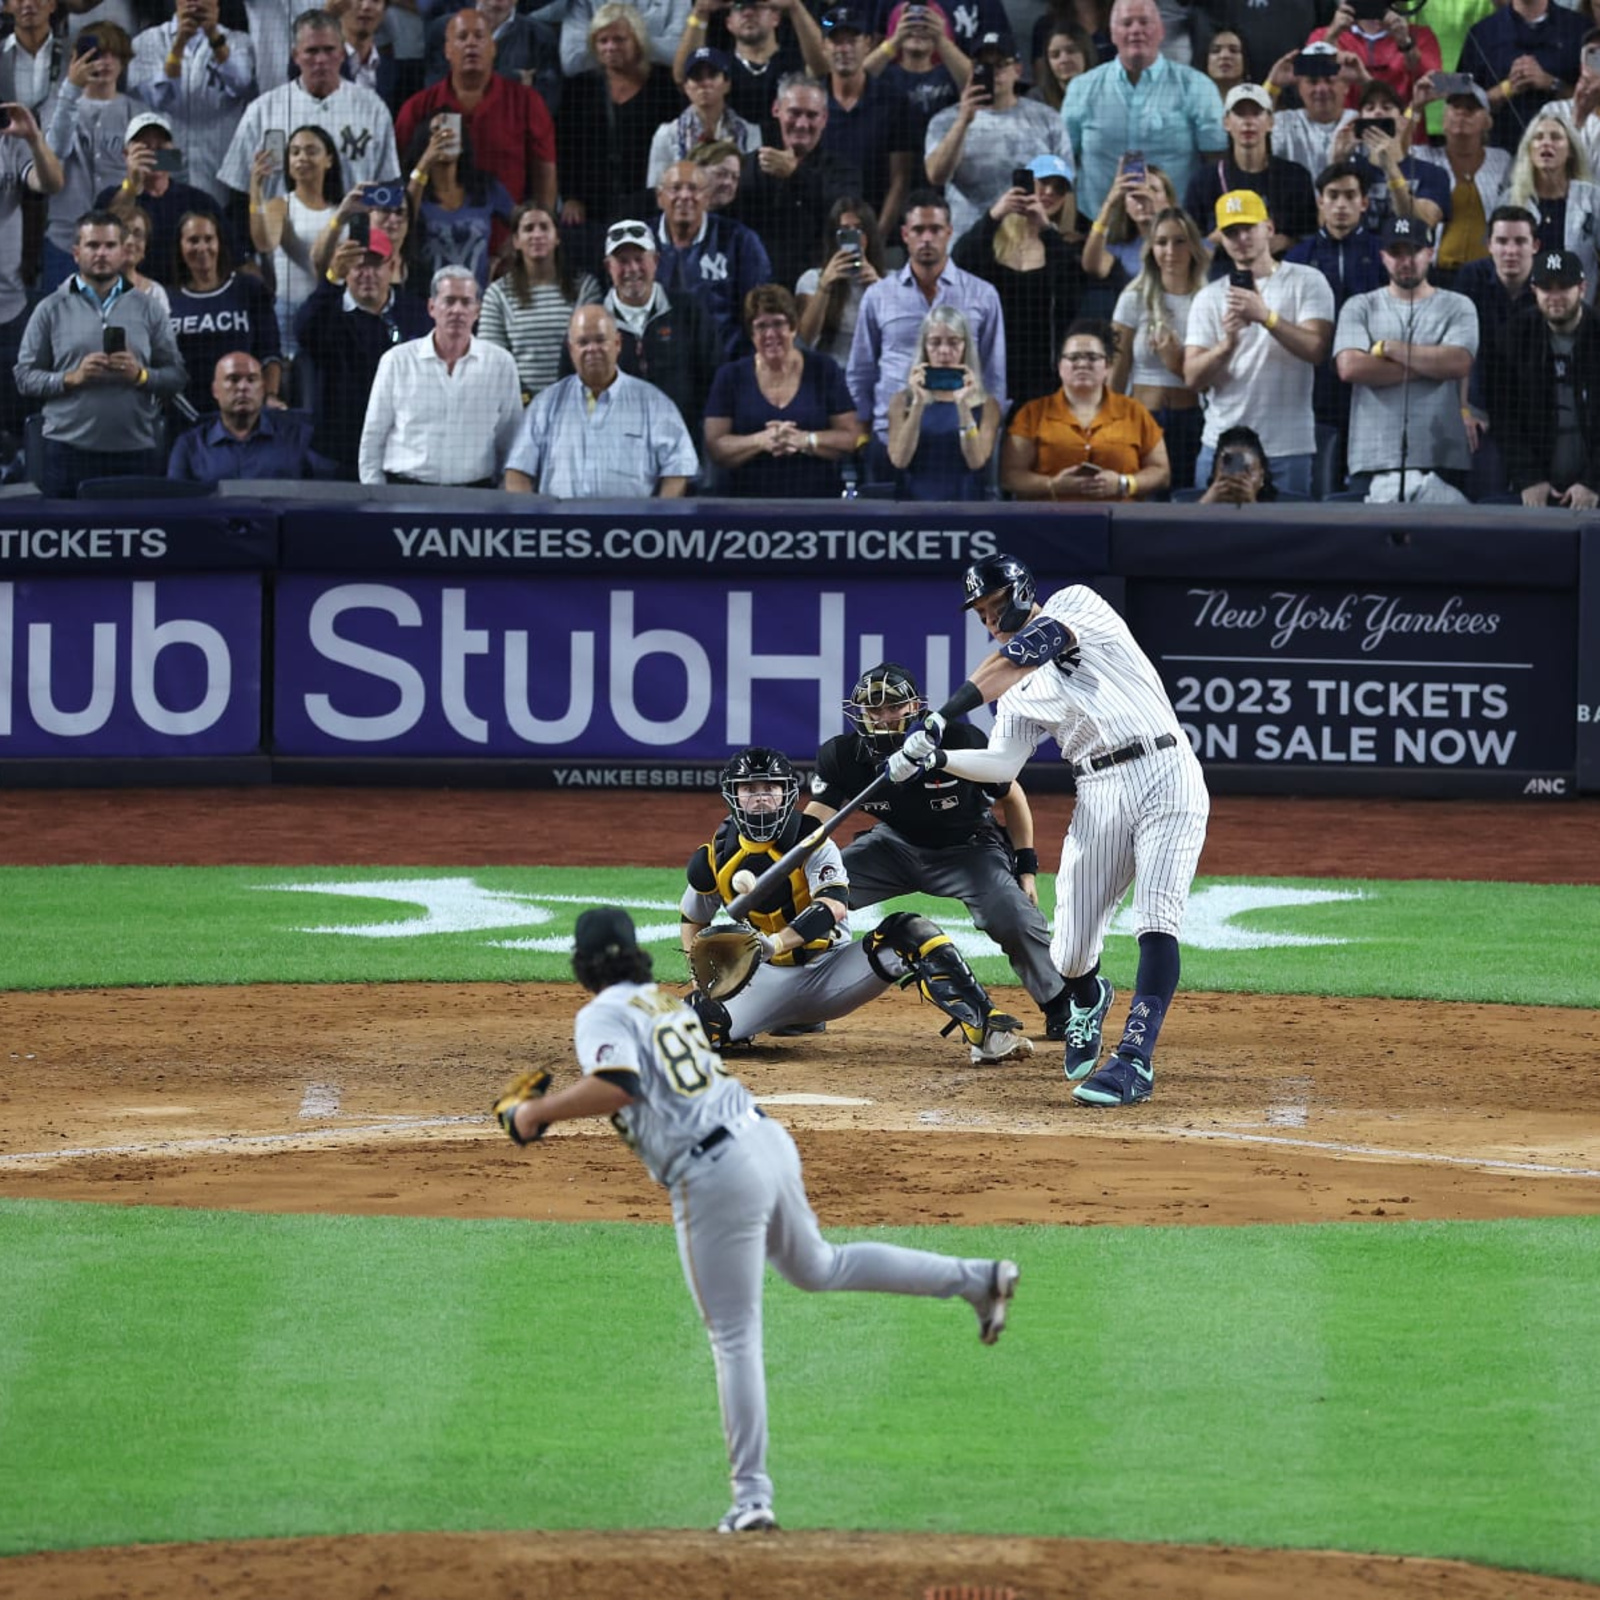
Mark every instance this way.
x=1057 y=1015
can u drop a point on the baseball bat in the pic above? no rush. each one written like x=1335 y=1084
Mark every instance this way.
x=795 y=854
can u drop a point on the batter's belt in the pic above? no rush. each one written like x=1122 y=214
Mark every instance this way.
x=1129 y=752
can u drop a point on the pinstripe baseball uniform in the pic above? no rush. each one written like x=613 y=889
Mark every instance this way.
x=1141 y=808
x=739 y=1201
x=1140 y=820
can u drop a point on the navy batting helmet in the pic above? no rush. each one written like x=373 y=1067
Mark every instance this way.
x=881 y=708
x=762 y=765
x=989 y=577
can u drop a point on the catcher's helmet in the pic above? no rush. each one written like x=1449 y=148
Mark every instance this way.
x=759 y=764
x=885 y=687
x=990 y=576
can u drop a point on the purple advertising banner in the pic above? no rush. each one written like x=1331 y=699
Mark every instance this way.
x=651 y=670
x=1393 y=678
x=114 y=667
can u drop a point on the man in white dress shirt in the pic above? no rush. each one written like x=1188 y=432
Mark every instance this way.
x=355 y=119
x=200 y=77
x=600 y=433
x=444 y=409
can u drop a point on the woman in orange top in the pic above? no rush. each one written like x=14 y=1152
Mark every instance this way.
x=1084 y=442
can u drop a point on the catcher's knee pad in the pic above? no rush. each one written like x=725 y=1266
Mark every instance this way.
x=942 y=973
x=715 y=1022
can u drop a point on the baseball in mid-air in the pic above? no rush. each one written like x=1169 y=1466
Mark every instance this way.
x=743 y=882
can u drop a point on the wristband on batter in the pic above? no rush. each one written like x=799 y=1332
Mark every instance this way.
x=1027 y=863
x=815 y=922
x=967 y=698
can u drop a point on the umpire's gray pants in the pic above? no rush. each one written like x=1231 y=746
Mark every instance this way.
x=743 y=1204
x=882 y=864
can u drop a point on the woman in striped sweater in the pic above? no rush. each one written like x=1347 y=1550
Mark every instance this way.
x=528 y=306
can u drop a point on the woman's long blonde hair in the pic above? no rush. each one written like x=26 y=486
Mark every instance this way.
x=1147 y=286
x=1519 y=187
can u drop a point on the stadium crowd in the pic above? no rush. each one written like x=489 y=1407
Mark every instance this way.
x=1223 y=250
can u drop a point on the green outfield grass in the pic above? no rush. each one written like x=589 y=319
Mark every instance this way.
x=91 y=926
x=1423 y=1388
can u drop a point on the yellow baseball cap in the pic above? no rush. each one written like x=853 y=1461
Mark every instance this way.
x=1239 y=207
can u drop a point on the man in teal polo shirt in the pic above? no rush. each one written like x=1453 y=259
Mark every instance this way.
x=1140 y=101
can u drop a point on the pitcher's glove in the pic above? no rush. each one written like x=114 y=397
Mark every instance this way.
x=724 y=958
x=529 y=1086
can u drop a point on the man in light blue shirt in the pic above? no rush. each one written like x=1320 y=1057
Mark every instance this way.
x=893 y=309
x=600 y=434
x=1140 y=101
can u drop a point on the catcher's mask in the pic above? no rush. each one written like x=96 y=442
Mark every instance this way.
x=760 y=817
x=989 y=577
x=882 y=707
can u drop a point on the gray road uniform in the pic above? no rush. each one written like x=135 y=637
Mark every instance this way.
x=739 y=1201
x=937 y=834
x=832 y=975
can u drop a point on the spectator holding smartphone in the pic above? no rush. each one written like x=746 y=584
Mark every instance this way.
x=152 y=186
x=1320 y=75
x=942 y=425
x=1118 y=235
x=1019 y=246
x=1241 y=475
x=463 y=213
x=1582 y=111
x=284 y=227
x=102 y=359
x=1398 y=184
x=200 y=76
x=1391 y=48
x=1477 y=173
x=1255 y=338
x=829 y=295
x=1085 y=441
x=973 y=146
x=85 y=122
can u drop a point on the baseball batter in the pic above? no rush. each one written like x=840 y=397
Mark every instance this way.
x=937 y=834
x=1071 y=670
x=738 y=1197
x=813 y=970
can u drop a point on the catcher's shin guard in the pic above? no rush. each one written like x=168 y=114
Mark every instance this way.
x=941 y=971
x=715 y=1022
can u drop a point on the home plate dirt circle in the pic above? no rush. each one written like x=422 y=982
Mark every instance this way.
x=368 y=1100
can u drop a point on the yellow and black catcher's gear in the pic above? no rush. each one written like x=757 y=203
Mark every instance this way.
x=941 y=971
x=887 y=686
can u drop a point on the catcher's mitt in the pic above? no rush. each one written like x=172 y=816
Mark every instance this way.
x=724 y=958
x=529 y=1086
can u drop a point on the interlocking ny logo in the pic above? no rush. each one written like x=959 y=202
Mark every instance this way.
x=1235 y=203
x=353 y=144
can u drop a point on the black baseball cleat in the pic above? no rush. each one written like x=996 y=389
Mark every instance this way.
x=1056 y=1017
x=754 y=1516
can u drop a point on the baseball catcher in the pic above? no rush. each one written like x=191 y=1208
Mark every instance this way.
x=806 y=968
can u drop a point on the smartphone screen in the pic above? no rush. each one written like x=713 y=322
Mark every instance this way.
x=169 y=160
x=1365 y=125
x=276 y=142
x=1133 y=165
x=113 y=341
x=1241 y=278
x=1022 y=178
x=983 y=76
x=946 y=378
x=360 y=227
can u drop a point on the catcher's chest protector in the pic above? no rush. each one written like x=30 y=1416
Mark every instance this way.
x=731 y=852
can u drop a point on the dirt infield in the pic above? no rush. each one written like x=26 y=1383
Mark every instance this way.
x=367 y=1100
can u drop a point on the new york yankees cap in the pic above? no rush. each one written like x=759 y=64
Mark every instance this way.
x=146 y=119
x=1557 y=269
x=1407 y=231
x=604 y=930
x=1240 y=208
